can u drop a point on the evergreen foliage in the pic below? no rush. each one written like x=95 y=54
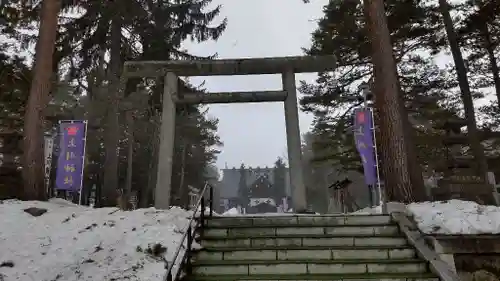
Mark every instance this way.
x=430 y=91
x=87 y=64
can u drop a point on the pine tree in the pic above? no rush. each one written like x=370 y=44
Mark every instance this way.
x=15 y=78
x=279 y=182
x=315 y=176
x=33 y=175
x=243 y=191
x=465 y=91
x=84 y=41
x=479 y=35
x=342 y=32
x=82 y=45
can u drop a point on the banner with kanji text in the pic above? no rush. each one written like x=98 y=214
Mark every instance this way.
x=71 y=155
x=363 y=136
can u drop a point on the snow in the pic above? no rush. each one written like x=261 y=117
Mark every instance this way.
x=231 y=212
x=455 y=217
x=71 y=242
x=368 y=211
x=452 y=217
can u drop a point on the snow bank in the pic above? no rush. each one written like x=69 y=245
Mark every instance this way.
x=231 y=212
x=71 y=242
x=455 y=217
x=368 y=211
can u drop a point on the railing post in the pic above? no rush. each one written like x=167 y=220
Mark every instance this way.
x=188 y=250
x=189 y=240
x=211 y=200
x=202 y=214
x=190 y=236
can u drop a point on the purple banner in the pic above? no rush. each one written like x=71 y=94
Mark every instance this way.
x=71 y=155
x=363 y=136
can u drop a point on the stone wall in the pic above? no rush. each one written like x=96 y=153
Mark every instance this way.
x=475 y=257
x=478 y=267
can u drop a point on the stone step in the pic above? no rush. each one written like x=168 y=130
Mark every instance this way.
x=305 y=220
x=303 y=253
x=251 y=267
x=318 y=277
x=341 y=230
x=319 y=240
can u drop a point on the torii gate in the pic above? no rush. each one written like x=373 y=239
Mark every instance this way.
x=171 y=70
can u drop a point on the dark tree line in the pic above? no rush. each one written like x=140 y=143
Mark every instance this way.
x=80 y=49
x=419 y=32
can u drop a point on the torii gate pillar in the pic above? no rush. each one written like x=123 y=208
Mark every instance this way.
x=293 y=142
x=167 y=139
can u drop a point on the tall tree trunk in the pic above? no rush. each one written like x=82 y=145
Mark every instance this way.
x=184 y=127
x=183 y=190
x=490 y=49
x=466 y=95
x=110 y=185
x=153 y=163
x=94 y=108
x=146 y=190
x=33 y=172
x=403 y=178
x=130 y=155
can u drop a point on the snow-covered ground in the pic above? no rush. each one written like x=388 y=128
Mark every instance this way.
x=71 y=242
x=231 y=212
x=368 y=211
x=455 y=217
x=452 y=217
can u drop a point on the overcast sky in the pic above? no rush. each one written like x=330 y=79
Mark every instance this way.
x=254 y=134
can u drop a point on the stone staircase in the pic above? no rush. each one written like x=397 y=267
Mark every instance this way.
x=305 y=247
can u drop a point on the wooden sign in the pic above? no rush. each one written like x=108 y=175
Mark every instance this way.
x=465 y=178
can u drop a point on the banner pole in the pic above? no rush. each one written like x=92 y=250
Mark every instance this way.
x=61 y=135
x=365 y=107
x=83 y=162
x=48 y=148
x=72 y=194
x=379 y=188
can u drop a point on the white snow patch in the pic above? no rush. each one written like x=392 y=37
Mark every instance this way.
x=368 y=211
x=71 y=242
x=231 y=212
x=455 y=217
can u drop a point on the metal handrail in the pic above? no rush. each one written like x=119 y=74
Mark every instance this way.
x=189 y=233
